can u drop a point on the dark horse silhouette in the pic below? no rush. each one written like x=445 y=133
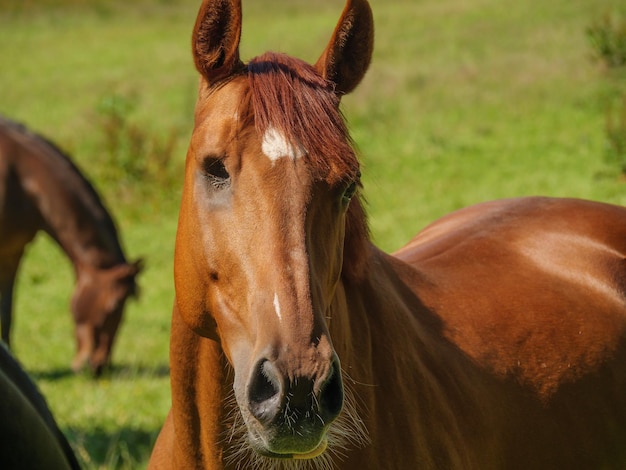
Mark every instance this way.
x=41 y=189
x=496 y=339
x=29 y=436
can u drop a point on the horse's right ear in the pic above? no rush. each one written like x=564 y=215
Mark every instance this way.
x=215 y=39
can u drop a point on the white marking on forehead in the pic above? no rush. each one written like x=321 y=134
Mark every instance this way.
x=275 y=146
x=277 y=307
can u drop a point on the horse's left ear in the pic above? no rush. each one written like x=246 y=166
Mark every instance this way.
x=349 y=51
x=215 y=39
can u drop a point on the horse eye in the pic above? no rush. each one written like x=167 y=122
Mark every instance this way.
x=216 y=173
x=349 y=192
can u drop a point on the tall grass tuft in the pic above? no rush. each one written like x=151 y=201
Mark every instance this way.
x=135 y=157
x=607 y=37
x=616 y=134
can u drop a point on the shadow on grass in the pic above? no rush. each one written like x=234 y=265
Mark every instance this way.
x=51 y=374
x=114 y=372
x=103 y=447
x=126 y=448
x=131 y=371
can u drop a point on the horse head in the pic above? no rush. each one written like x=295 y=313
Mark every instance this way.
x=97 y=305
x=269 y=190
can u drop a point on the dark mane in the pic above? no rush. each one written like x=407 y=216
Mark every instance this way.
x=93 y=201
x=288 y=95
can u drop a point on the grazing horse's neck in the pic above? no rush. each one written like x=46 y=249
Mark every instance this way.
x=70 y=209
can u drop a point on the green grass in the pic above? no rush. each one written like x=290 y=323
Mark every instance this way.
x=465 y=101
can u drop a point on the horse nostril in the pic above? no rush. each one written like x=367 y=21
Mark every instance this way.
x=269 y=397
x=264 y=392
x=331 y=394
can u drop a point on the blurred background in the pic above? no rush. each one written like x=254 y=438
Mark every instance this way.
x=465 y=101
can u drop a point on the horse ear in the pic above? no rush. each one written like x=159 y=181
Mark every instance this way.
x=349 y=51
x=215 y=39
x=138 y=265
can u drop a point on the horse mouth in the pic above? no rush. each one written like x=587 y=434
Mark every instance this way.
x=319 y=450
x=289 y=452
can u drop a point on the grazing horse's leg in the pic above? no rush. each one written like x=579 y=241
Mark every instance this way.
x=7 y=283
x=6 y=304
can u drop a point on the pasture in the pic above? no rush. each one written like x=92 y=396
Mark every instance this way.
x=466 y=101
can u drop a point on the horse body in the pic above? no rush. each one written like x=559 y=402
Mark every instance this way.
x=495 y=339
x=517 y=312
x=30 y=437
x=555 y=271
x=41 y=189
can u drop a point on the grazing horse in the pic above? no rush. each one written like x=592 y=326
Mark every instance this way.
x=29 y=436
x=41 y=189
x=494 y=340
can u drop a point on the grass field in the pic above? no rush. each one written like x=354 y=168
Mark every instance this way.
x=466 y=100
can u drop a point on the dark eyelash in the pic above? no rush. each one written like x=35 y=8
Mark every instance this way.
x=216 y=173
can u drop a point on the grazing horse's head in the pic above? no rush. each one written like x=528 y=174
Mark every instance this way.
x=97 y=306
x=269 y=179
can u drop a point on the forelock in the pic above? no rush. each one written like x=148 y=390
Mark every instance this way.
x=290 y=97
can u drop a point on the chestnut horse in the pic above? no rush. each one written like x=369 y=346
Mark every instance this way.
x=41 y=189
x=494 y=340
x=29 y=436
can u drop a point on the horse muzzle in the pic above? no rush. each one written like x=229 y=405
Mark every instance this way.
x=288 y=416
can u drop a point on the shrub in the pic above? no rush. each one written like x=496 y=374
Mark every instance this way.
x=607 y=36
x=616 y=134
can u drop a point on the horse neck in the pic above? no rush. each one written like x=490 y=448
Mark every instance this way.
x=71 y=210
x=392 y=347
x=199 y=382
x=380 y=303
